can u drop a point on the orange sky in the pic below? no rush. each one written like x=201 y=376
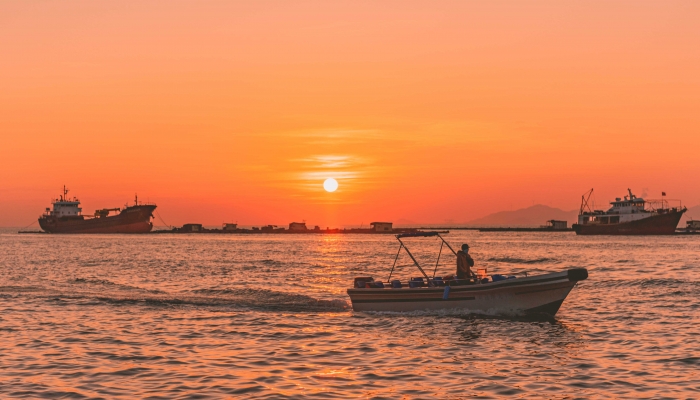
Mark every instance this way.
x=425 y=111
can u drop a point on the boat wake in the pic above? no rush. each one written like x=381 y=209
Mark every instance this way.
x=449 y=312
x=649 y=283
x=108 y=283
x=243 y=298
x=273 y=300
x=466 y=314
x=513 y=260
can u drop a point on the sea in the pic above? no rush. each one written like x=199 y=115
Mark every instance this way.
x=216 y=316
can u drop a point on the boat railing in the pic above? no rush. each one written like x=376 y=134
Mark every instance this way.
x=440 y=281
x=145 y=203
x=663 y=205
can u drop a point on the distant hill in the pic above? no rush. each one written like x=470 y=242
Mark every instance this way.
x=532 y=216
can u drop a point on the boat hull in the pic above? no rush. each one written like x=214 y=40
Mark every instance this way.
x=135 y=219
x=542 y=294
x=661 y=224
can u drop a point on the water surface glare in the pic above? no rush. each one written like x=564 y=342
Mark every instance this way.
x=266 y=316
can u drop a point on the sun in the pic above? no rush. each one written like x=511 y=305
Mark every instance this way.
x=330 y=184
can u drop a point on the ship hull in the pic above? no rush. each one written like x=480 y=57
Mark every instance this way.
x=661 y=224
x=533 y=295
x=135 y=219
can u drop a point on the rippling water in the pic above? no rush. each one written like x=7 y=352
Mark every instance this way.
x=220 y=316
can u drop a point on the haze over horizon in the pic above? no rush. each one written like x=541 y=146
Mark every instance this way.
x=424 y=111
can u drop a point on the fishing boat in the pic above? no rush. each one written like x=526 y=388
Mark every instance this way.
x=486 y=294
x=630 y=215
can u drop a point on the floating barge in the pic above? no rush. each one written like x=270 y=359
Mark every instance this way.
x=692 y=227
x=294 y=228
x=552 y=226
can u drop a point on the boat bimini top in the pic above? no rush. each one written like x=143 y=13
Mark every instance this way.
x=403 y=246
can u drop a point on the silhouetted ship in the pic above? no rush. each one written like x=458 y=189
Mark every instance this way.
x=629 y=216
x=66 y=217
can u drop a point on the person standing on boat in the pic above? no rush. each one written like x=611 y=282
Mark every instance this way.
x=464 y=263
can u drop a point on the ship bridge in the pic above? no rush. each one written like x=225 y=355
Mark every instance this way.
x=62 y=207
x=627 y=206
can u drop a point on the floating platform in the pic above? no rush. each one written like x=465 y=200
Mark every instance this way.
x=284 y=231
x=525 y=230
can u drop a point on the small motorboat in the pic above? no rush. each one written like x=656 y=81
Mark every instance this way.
x=486 y=294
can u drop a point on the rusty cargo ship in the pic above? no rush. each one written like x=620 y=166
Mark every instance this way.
x=630 y=215
x=66 y=217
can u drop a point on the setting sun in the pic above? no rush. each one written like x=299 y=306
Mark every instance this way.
x=330 y=184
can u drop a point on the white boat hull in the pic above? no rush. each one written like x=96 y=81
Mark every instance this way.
x=542 y=294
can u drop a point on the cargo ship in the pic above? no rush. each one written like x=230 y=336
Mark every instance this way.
x=67 y=217
x=630 y=215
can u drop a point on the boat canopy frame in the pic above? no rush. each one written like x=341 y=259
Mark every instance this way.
x=403 y=246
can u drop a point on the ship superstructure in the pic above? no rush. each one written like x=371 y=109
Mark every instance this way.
x=630 y=215
x=66 y=217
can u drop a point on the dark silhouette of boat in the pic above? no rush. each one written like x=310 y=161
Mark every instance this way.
x=629 y=216
x=67 y=217
x=536 y=295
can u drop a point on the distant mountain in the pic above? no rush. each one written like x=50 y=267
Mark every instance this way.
x=532 y=216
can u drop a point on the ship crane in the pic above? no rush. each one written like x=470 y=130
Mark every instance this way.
x=105 y=212
x=585 y=205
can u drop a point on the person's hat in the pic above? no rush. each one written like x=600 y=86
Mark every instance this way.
x=465 y=247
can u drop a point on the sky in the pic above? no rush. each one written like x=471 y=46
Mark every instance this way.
x=423 y=111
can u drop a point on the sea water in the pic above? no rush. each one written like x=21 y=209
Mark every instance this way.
x=267 y=316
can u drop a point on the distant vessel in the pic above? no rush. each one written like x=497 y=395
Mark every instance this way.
x=629 y=216
x=66 y=217
x=692 y=227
